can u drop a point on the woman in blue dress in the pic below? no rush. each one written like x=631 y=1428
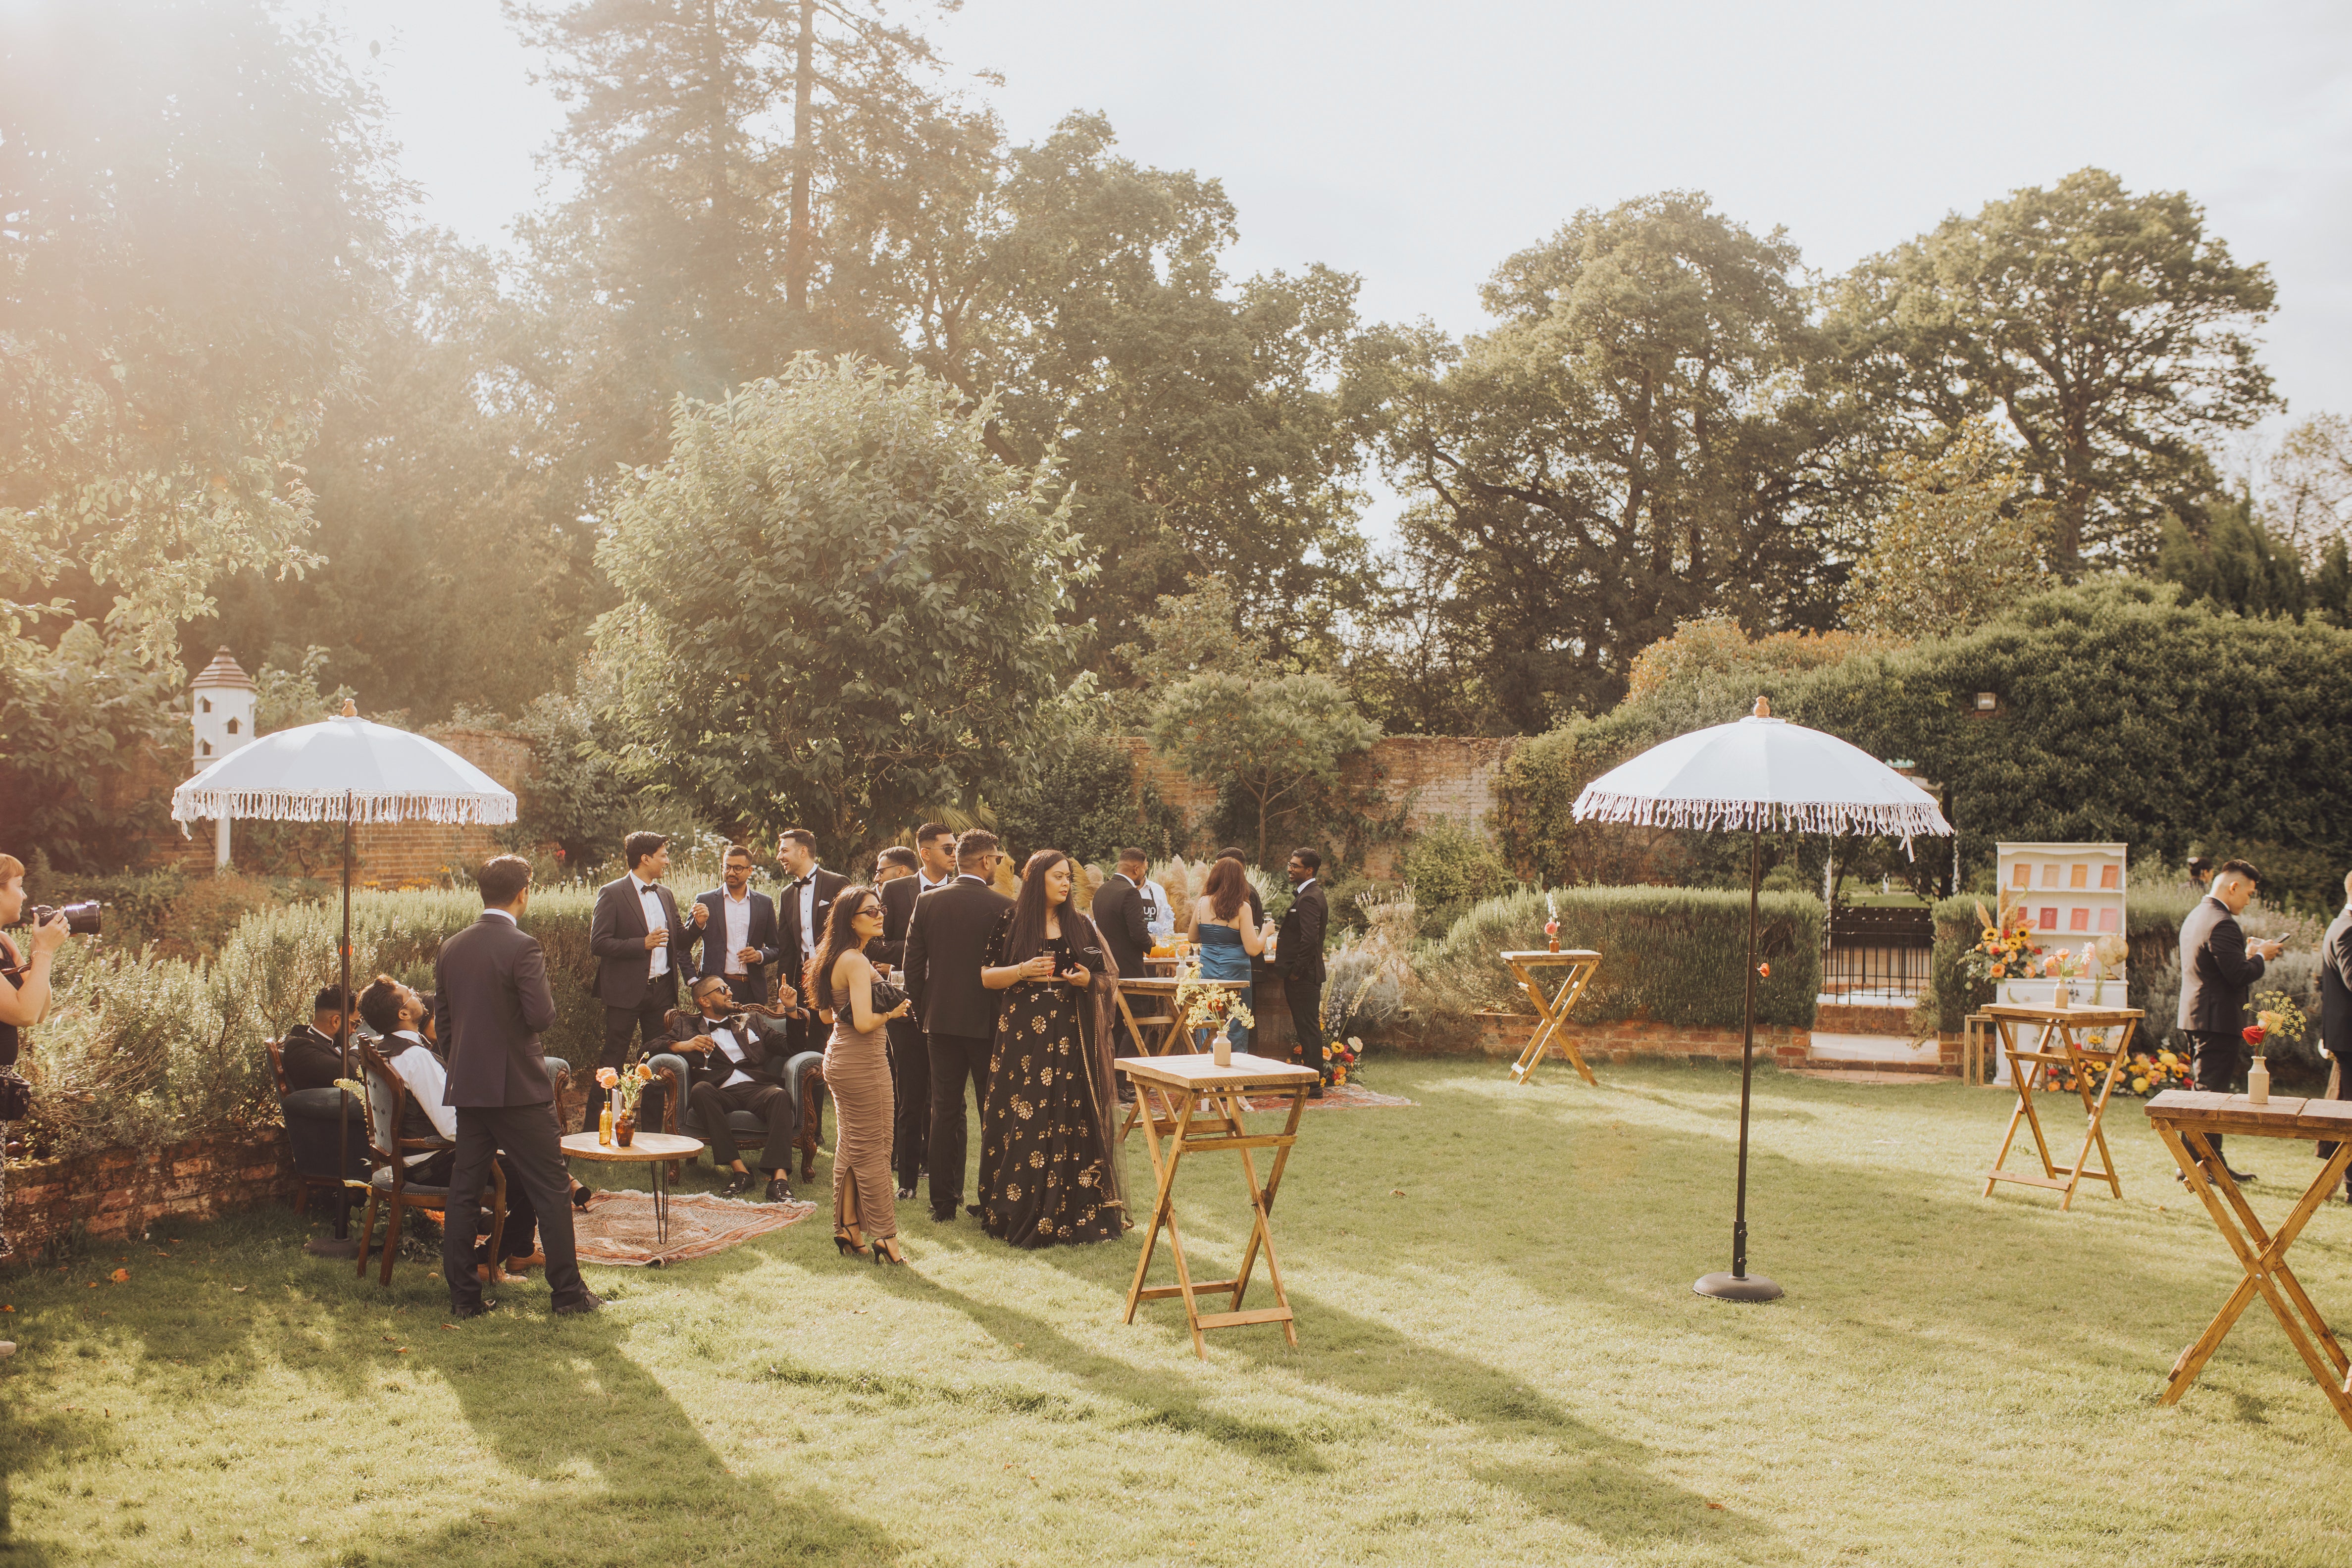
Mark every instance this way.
x=1229 y=938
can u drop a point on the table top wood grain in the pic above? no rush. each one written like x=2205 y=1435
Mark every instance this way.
x=2088 y=1017
x=646 y=1146
x=2284 y=1116
x=1200 y=1074
x=1165 y=985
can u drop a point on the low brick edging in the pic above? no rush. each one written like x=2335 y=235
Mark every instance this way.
x=1506 y=1034
x=120 y=1192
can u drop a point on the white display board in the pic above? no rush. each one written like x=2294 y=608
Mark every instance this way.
x=2072 y=894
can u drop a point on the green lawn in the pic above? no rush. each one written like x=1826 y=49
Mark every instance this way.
x=1501 y=1362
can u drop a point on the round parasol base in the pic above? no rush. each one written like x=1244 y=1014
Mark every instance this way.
x=328 y=1247
x=1738 y=1287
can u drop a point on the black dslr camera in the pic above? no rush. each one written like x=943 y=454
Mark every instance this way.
x=82 y=919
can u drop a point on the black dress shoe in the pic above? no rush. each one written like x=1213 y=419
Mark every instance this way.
x=943 y=1216
x=589 y=1301
x=738 y=1184
x=906 y=1193
x=778 y=1191
x=973 y=1209
x=2240 y=1176
x=481 y=1309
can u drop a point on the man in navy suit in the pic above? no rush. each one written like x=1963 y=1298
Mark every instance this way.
x=490 y=1000
x=737 y=928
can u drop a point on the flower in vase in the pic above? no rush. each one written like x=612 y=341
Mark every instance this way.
x=607 y=1078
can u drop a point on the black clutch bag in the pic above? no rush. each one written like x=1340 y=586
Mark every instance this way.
x=887 y=997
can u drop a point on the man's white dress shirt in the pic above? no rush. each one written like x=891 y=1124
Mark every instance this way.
x=421 y=1071
x=656 y=919
x=738 y=928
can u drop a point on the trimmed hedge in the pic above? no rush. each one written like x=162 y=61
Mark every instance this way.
x=1672 y=956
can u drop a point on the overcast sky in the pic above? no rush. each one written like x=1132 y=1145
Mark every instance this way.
x=1418 y=145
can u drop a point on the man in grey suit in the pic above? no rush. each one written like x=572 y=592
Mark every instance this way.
x=2218 y=970
x=2336 y=1011
x=491 y=1000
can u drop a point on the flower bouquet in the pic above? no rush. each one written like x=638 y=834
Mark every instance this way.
x=621 y=1088
x=1552 y=923
x=2005 y=948
x=2146 y=1074
x=1343 y=1058
x=1205 y=1005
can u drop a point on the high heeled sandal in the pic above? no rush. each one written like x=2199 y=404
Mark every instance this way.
x=845 y=1246
x=886 y=1251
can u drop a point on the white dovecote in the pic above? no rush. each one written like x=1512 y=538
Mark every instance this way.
x=222 y=700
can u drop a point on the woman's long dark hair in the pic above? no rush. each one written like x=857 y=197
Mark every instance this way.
x=840 y=936
x=1027 y=937
x=1227 y=889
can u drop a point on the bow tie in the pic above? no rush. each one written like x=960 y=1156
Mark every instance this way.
x=804 y=880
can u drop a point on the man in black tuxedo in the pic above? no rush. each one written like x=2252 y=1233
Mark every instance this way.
x=801 y=910
x=309 y=1052
x=935 y=847
x=1126 y=929
x=491 y=1000
x=736 y=926
x=2218 y=967
x=1298 y=954
x=638 y=943
x=736 y=1061
x=946 y=940
x=2335 y=1011
x=899 y=876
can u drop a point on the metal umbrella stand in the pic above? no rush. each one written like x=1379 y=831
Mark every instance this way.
x=348 y=768
x=1760 y=774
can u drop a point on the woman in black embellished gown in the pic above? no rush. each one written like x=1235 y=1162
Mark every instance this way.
x=1047 y=1173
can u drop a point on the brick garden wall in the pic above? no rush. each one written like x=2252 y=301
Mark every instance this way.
x=120 y=1192
x=1432 y=777
x=1506 y=1034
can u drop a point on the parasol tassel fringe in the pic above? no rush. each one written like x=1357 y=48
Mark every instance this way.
x=1892 y=821
x=303 y=806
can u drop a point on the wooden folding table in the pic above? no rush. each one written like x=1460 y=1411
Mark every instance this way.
x=2185 y=1119
x=2085 y=1062
x=1551 y=1011
x=1195 y=1108
x=1172 y=1035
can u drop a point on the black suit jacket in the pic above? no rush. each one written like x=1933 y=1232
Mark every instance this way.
x=765 y=1049
x=616 y=935
x=788 y=919
x=2336 y=992
x=897 y=895
x=1119 y=915
x=310 y=1059
x=491 y=1000
x=946 y=940
x=762 y=934
x=1299 y=949
x=2215 y=973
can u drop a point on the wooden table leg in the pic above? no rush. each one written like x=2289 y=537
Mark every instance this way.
x=2263 y=1259
x=1262 y=1230
x=2021 y=1074
x=1551 y=1022
x=1163 y=1209
x=2095 y=1112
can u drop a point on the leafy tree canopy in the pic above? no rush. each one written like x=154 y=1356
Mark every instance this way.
x=836 y=608
x=1958 y=542
x=1269 y=738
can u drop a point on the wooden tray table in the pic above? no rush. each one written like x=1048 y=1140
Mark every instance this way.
x=2067 y=1025
x=1179 y=1089
x=2184 y=1119
x=1552 y=1012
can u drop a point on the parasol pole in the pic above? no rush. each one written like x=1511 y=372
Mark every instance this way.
x=342 y=1246
x=1740 y=1285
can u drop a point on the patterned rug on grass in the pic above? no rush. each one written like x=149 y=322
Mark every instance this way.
x=1338 y=1097
x=618 y=1227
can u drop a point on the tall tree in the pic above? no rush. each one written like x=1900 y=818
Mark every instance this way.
x=2310 y=484
x=1634 y=444
x=1193 y=417
x=2111 y=332
x=193 y=195
x=707 y=141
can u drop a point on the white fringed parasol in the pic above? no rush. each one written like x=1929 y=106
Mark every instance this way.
x=346 y=770
x=1758 y=775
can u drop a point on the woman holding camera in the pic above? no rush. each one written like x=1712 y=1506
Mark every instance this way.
x=25 y=999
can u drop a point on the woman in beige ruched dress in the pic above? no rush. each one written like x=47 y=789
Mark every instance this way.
x=857 y=1075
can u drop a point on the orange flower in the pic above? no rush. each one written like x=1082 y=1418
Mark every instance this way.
x=607 y=1078
x=120 y=1276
